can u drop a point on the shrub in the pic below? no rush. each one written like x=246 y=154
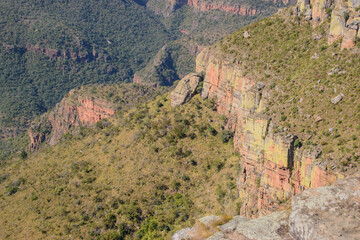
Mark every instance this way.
x=212 y=130
x=328 y=11
x=159 y=104
x=33 y=197
x=11 y=190
x=110 y=221
x=297 y=143
x=185 y=178
x=192 y=136
x=123 y=230
x=200 y=87
x=226 y=135
x=23 y=155
x=111 y=236
x=148 y=229
x=193 y=162
x=346 y=16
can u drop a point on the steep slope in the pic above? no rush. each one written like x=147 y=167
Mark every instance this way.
x=292 y=102
x=86 y=106
x=329 y=212
x=197 y=24
x=48 y=48
x=140 y=174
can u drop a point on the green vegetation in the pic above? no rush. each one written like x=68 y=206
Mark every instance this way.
x=302 y=75
x=144 y=174
x=49 y=47
x=12 y=146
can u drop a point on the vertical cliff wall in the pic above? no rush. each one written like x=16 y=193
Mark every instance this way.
x=344 y=18
x=273 y=169
x=81 y=111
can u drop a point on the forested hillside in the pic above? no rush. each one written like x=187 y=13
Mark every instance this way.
x=49 y=47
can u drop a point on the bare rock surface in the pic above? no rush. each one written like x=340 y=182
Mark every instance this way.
x=331 y=212
x=182 y=234
x=337 y=99
x=271 y=227
x=185 y=89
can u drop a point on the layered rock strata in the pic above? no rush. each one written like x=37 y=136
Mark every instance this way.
x=84 y=111
x=344 y=22
x=185 y=89
x=206 y=6
x=330 y=212
x=273 y=170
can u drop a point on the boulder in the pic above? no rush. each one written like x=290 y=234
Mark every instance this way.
x=182 y=234
x=185 y=89
x=331 y=212
x=308 y=14
x=317 y=118
x=247 y=34
x=337 y=99
x=270 y=227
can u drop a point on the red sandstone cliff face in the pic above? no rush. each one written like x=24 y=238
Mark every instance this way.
x=83 y=112
x=272 y=169
x=168 y=6
x=56 y=54
x=205 y=6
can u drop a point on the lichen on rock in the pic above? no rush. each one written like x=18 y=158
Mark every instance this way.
x=185 y=89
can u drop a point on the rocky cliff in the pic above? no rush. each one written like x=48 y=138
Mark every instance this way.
x=243 y=8
x=86 y=106
x=235 y=9
x=330 y=212
x=83 y=111
x=55 y=54
x=344 y=18
x=273 y=168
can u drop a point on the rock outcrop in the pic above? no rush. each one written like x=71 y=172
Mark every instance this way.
x=83 y=111
x=85 y=106
x=345 y=18
x=330 y=212
x=185 y=89
x=206 y=6
x=273 y=170
x=56 y=54
x=167 y=7
x=270 y=227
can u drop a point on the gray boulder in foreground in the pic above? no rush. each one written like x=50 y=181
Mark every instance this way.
x=324 y=213
x=271 y=227
x=331 y=212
